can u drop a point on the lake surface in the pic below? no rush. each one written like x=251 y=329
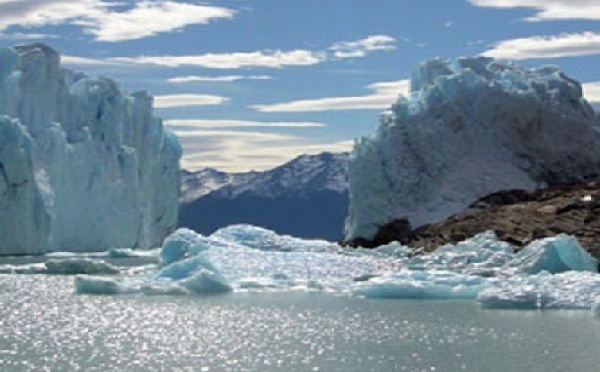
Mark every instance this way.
x=46 y=326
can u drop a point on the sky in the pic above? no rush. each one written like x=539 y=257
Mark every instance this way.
x=250 y=84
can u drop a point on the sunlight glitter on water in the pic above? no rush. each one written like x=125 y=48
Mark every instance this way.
x=45 y=326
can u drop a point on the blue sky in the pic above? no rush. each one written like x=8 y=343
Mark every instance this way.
x=249 y=84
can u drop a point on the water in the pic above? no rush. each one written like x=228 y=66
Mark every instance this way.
x=45 y=326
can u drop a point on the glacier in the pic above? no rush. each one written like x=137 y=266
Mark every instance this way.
x=84 y=166
x=469 y=127
x=549 y=273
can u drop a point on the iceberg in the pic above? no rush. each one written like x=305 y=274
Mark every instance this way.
x=430 y=285
x=73 y=266
x=555 y=255
x=245 y=258
x=470 y=127
x=64 y=266
x=568 y=290
x=84 y=166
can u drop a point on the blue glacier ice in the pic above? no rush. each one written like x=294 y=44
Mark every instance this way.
x=549 y=273
x=84 y=166
x=470 y=127
x=555 y=255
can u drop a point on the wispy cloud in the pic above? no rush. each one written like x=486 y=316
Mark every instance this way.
x=384 y=94
x=217 y=79
x=183 y=100
x=98 y=17
x=267 y=59
x=191 y=124
x=26 y=36
x=147 y=18
x=360 y=48
x=238 y=151
x=564 y=45
x=83 y=61
x=549 y=10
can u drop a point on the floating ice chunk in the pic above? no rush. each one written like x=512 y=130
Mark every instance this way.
x=186 y=268
x=267 y=240
x=479 y=253
x=422 y=285
x=178 y=244
x=395 y=249
x=36 y=268
x=206 y=281
x=73 y=266
x=596 y=307
x=86 y=284
x=568 y=290
x=555 y=255
x=129 y=253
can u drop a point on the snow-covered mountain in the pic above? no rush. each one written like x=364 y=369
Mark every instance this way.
x=84 y=166
x=470 y=127
x=306 y=197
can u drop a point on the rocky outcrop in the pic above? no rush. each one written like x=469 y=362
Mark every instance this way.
x=517 y=216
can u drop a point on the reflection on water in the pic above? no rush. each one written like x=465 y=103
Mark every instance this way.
x=44 y=324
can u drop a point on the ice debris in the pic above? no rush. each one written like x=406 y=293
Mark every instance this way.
x=64 y=266
x=549 y=273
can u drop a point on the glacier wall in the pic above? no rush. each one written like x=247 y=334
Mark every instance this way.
x=470 y=127
x=84 y=166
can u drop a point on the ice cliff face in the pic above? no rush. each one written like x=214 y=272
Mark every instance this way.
x=83 y=165
x=470 y=127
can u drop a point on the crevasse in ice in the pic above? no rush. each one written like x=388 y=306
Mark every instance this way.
x=549 y=273
x=470 y=127
x=84 y=166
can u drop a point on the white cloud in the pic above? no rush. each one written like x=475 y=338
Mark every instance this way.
x=187 y=124
x=83 y=61
x=384 y=94
x=149 y=18
x=182 y=100
x=98 y=17
x=564 y=45
x=269 y=59
x=237 y=151
x=219 y=79
x=360 y=48
x=549 y=9
x=26 y=36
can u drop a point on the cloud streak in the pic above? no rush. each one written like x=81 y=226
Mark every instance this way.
x=215 y=79
x=269 y=58
x=360 y=48
x=237 y=151
x=549 y=10
x=564 y=45
x=190 y=124
x=384 y=94
x=185 y=100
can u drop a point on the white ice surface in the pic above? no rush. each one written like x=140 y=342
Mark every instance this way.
x=246 y=258
x=84 y=166
x=470 y=127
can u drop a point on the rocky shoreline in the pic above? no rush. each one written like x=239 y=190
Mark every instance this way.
x=517 y=216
